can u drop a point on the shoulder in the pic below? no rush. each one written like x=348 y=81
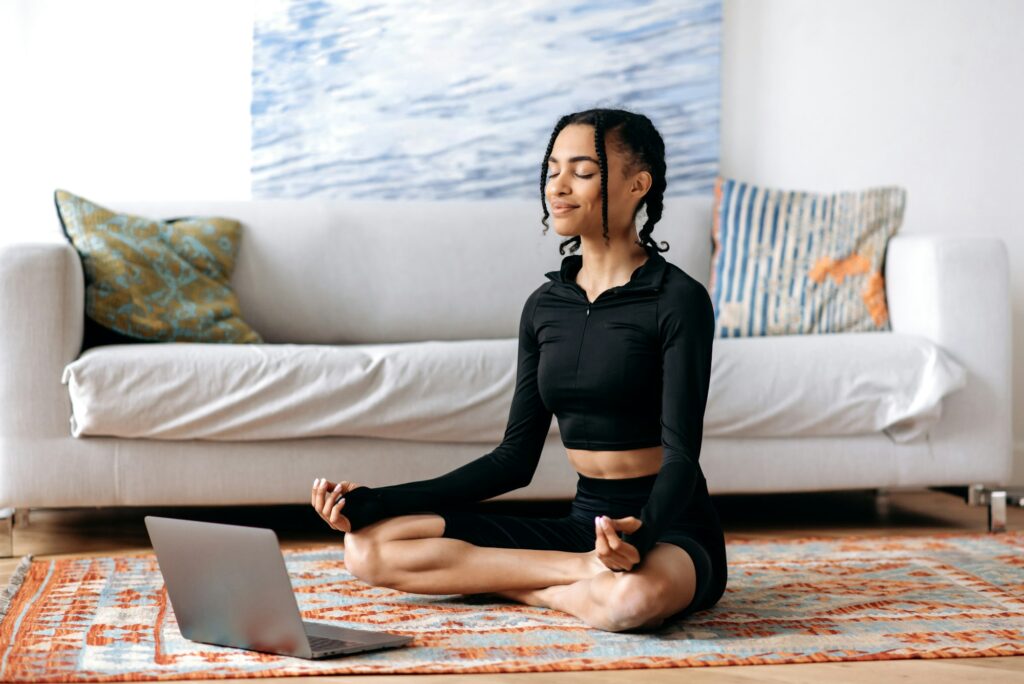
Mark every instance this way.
x=684 y=307
x=530 y=305
x=683 y=294
x=533 y=297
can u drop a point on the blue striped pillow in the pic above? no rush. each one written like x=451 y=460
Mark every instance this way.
x=796 y=263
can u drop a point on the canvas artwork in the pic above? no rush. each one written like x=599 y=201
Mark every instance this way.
x=418 y=99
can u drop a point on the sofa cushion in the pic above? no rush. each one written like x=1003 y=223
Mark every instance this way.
x=789 y=262
x=154 y=280
x=437 y=391
x=460 y=391
x=829 y=385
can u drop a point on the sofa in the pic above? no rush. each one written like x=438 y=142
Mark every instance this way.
x=389 y=356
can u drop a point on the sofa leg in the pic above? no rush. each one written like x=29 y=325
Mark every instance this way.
x=6 y=532
x=883 y=502
x=996 y=499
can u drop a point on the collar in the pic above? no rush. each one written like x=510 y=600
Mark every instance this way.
x=646 y=277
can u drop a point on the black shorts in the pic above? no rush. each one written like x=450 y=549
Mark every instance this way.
x=616 y=498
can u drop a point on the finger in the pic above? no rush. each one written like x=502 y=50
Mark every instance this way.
x=318 y=484
x=629 y=551
x=630 y=556
x=604 y=552
x=627 y=555
x=609 y=536
x=330 y=498
x=336 y=517
x=601 y=543
x=318 y=494
x=609 y=530
x=626 y=552
x=321 y=492
x=615 y=545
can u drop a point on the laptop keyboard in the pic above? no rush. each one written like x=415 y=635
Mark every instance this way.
x=324 y=644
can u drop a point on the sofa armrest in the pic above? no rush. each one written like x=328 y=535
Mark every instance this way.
x=955 y=291
x=42 y=296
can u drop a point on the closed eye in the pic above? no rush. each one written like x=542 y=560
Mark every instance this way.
x=552 y=175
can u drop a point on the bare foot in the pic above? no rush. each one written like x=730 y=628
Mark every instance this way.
x=532 y=597
x=591 y=565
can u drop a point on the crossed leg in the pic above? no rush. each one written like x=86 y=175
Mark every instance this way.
x=663 y=584
x=408 y=553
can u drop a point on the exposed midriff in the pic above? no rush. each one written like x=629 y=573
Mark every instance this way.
x=616 y=465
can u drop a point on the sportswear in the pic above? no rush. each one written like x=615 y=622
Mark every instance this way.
x=629 y=370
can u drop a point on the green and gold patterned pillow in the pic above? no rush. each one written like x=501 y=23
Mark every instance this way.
x=157 y=280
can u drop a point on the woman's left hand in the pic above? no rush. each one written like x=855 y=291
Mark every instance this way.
x=615 y=553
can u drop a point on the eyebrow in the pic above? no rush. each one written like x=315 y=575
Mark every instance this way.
x=581 y=157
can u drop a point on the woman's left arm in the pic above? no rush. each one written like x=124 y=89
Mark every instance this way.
x=686 y=326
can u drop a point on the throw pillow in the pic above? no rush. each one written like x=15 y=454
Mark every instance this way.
x=152 y=280
x=786 y=262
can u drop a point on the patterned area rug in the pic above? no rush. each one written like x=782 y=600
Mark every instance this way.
x=813 y=599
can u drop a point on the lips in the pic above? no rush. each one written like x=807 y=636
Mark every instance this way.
x=560 y=207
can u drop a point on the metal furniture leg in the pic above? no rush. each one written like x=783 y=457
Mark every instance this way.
x=997 y=499
x=6 y=532
x=883 y=502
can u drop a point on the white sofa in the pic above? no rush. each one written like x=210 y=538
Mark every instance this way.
x=390 y=356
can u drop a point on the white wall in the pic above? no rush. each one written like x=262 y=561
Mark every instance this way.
x=125 y=99
x=121 y=99
x=924 y=93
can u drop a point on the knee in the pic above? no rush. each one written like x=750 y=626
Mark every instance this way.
x=633 y=603
x=363 y=557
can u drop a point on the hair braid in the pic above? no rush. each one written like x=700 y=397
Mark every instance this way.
x=602 y=162
x=634 y=135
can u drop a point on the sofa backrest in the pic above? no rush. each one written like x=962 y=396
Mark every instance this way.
x=323 y=271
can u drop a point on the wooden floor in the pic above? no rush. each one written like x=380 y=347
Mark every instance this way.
x=52 y=533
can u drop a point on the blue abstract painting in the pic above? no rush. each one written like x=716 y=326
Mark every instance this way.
x=424 y=99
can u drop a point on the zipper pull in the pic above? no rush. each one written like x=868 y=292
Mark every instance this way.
x=588 y=309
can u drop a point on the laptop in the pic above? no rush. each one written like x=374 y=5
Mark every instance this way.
x=229 y=586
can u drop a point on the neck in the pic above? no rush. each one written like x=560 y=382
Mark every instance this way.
x=609 y=265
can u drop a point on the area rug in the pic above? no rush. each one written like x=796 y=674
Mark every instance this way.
x=813 y=599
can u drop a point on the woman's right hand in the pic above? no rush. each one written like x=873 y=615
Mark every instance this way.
x=328 y=500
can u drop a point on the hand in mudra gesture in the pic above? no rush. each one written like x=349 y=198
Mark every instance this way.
x=614 y=552
x=328 y=500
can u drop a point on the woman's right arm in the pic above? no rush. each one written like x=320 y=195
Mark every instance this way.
x=510 y=466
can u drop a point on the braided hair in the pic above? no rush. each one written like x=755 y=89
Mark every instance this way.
x=636 y=137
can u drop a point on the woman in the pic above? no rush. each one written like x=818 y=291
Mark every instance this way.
x=618 y=346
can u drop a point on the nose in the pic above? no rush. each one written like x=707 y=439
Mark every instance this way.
x=556 y=185
x=556 y=195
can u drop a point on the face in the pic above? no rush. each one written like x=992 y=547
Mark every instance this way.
x=574 y=178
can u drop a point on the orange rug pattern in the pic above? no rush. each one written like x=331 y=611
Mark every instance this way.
x=813 y=599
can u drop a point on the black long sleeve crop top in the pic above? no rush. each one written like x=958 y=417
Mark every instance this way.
x=629 y=370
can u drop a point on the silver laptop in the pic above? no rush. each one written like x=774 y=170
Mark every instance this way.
x=228 y=585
